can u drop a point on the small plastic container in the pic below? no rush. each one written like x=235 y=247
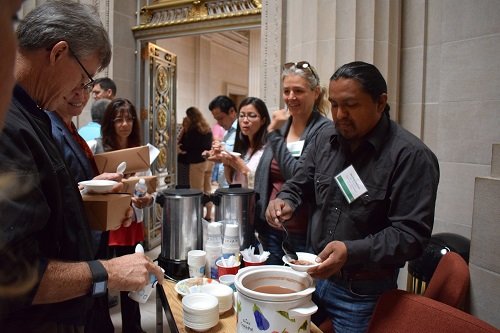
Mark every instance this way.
x=223 y=270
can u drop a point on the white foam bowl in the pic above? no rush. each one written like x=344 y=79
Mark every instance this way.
x=310 y=257
x=200 y=311
x=223 y=293
x=98 y=185
x=200 y=303
x=200 y=327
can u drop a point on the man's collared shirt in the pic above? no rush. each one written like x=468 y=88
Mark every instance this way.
x=229 y=138
x=386 y=226
x=90 y=131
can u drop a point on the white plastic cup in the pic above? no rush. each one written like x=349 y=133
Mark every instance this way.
x=231 y=230
x=196 y=263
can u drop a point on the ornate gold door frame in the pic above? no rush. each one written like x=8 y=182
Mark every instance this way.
x=158 y=101
x=159 y=114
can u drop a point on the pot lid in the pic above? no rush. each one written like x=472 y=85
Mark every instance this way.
x=183 y=192
x=234 y=191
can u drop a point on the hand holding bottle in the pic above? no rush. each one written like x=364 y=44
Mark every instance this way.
x=139 y=192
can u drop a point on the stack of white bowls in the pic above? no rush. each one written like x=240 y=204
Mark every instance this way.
x=201 y=311
x=223 y=293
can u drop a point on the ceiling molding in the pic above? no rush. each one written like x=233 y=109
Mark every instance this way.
x=236 y=41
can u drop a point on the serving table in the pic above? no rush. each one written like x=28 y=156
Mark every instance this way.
x=170 y=302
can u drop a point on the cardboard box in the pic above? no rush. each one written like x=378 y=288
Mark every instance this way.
x=129 y=183
x=137 y=159
x=106 y=211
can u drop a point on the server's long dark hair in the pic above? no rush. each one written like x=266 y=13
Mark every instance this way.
x=117 y=108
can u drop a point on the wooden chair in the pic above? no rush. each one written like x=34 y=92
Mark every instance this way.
x=450 y=282
x=400 y=311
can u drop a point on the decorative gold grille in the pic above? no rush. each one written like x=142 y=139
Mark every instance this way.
x=168 y=12
x=161 y=117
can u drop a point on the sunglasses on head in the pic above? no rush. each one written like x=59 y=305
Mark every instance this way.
x=304 y=65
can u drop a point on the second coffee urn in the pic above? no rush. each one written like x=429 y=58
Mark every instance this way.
x=236 y=204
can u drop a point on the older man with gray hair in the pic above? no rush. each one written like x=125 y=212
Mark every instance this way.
x=61 y=46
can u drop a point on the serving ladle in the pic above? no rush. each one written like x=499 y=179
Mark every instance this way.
x=287 y=246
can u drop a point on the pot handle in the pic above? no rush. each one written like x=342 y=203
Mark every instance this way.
x=304 y=310
x=305 y=292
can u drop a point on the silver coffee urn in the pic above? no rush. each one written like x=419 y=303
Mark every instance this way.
x=182 y=229
x=236 y=204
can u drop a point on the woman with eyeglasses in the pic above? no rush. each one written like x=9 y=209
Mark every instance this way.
x=240 y=164
x=288 y=135
x=119 y=130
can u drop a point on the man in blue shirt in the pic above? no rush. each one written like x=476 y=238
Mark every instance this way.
x=92 y=130
x=224 y=111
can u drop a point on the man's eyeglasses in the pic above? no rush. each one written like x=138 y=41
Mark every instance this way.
x=85 y=86
x=249 y=116
x=304 y=65
x=120 y=121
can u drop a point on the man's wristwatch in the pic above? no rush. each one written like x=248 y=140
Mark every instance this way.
x=99 y=278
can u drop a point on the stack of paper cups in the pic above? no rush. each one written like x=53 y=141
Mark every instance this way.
x=213 y=248
x=231 y=243
x=196 y=261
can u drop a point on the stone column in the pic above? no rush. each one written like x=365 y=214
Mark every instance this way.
x=272 y=51
x=254 y=59
x=329 y=34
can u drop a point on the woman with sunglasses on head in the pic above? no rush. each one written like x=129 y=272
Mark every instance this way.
x=253 y=119
x=119 y=130
x=288 y=135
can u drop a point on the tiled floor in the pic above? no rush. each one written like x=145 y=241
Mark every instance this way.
x=148 y=309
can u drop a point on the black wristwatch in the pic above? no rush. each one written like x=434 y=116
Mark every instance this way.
x=99 y=278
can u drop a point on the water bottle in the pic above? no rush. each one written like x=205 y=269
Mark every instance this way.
x=140 y=191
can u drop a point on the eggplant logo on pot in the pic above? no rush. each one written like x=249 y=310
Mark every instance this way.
x=260 y=320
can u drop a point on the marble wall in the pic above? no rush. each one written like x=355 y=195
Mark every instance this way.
x=450 y=81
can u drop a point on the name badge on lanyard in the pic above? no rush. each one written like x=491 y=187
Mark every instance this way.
x=295 y=148
x=350 y=184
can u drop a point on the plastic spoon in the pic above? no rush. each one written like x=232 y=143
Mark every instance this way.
x=121 y=167
x=287 y=246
